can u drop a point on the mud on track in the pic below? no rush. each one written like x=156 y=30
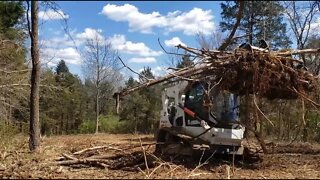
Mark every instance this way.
x=124 y=158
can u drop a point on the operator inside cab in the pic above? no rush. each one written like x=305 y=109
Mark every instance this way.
x=224 y=107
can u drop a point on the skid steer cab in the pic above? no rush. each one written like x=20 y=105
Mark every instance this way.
x=197 y=116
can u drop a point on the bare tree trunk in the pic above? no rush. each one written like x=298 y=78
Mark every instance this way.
x=280 y=124
x=304 y=124
x=251 y=23
x=97 y=111
x=34 y=140
x=97 y=87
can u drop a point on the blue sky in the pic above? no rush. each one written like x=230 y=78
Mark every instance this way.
x=132 y=27
x=131 y=24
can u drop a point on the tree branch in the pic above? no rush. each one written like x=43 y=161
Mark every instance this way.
x=226 y=43
x=133 y=70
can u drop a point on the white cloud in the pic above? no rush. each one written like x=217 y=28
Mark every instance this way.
x=56 y=42
x=120 y=43
x=143 y=60
x=52 y=15
x=62 y=47
x=78 y=38
x=90 y=33
x=53 y=56
x=137 y=21
x=158 y=71
x=173 y=42
x=190 y=23
x=315 y=26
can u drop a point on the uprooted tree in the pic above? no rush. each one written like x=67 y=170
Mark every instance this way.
x=256 y=71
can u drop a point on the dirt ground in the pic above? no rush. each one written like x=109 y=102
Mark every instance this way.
x=124 y=158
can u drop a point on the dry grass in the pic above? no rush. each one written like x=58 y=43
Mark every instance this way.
x=17 y=162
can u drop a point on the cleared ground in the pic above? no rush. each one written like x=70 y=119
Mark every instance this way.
x=124 y=158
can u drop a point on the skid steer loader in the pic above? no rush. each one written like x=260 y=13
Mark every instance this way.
x=192 y=119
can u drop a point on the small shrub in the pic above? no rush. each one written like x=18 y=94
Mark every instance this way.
x=110 y=124
x=87 y=126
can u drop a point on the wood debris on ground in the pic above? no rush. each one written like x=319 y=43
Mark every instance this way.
x=99 y=156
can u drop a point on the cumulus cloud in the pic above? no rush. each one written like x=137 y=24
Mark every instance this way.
x=137 y=21
x=52 y=15
x=62 y=47
x=190 y=23
x=158 y=71
x=90 y=33
x=120 y=43
x=52 y=56
x=56 y=42
x=142 y=60
x=78 y=38
x=315 y=26
x=173 y=42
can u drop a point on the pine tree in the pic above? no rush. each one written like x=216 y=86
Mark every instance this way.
x=13 y=102
x=131 y=82
x=145 y=74
x=62 y=107
x=185 y=61
x=62 y=68
x=261 y=20
x=141 y=109
x=11 y=14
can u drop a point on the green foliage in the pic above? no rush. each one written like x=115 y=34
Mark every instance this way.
x=108 y=124
x=131 y=82
x=10 y=12
x=12 y=61
x=313 y=126
x=185 y=61
x=87 y=127
x=60 y=103
x=7 y=129
x=266 y=20
x=145 y=73
x=62 y=68
x=12 y=54
x=141 y=110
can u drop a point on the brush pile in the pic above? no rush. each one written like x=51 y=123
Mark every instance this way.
x=271 y=75
x=266 y=74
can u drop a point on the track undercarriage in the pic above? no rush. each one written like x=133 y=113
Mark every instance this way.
x=170 y=141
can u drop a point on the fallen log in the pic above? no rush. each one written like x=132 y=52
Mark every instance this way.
x=90 y=162
x=96 y=148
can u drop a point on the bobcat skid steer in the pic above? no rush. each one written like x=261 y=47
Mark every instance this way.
x=191 y=119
